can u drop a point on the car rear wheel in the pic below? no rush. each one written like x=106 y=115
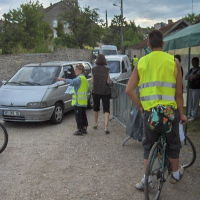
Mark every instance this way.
x=90 y=102
x=57 y=115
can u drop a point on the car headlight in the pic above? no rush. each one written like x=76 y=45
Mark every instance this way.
x=36 y=104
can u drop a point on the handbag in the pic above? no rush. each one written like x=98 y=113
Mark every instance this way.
x=113 y=92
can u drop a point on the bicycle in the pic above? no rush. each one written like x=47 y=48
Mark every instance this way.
x=159 y=167
x=3 y=138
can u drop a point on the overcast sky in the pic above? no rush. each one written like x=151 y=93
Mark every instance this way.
x=143 y=12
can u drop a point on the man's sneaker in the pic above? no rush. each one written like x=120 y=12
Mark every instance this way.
x=84 y=131
x=191 y=119
x=140 y=185
x=78 y=132
x=174 y=180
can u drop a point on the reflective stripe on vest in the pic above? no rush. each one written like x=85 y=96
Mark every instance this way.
x=161 y=97
x=157 y=80
x=81 y=96
x=159 y=84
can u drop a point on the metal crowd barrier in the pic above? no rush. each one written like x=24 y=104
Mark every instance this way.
x=122 y=104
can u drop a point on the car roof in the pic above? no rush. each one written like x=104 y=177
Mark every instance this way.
x=55 y=63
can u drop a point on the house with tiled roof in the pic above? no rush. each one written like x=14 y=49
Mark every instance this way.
x=54 y=11
x=170 y=28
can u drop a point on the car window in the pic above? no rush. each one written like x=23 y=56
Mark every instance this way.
x=127 y=63
x=37 y=75
x=69 y=72
x=114 y=66
x=109 y=52
x=88 y=70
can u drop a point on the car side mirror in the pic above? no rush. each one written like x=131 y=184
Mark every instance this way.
x=124 y=70
x=3 y=82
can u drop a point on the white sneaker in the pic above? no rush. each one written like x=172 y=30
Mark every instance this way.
x=140 y=185
x=191 y=119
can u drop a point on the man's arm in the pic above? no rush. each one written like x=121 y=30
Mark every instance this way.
x=179 y=93
x=132 y=84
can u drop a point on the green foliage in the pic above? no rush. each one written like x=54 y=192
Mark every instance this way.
x=66 y=40
x=60 y=29
x=192 y=18
x=112 y=35
x=24 y=27
x=83 y=25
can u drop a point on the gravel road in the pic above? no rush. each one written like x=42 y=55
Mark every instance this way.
x=47 y=162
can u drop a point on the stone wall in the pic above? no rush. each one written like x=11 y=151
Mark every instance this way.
x=10 y=64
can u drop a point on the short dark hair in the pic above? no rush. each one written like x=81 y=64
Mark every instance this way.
x=101 y=60
x=195 y=59
x=155 y=39
x=178 y=57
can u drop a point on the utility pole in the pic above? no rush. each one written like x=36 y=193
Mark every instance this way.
x=122 y=35
x=121 y=32
x=106 y=20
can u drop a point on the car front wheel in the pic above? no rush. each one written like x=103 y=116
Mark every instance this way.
x=57 y=115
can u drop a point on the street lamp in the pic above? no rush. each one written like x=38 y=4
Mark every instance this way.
x=122 y=37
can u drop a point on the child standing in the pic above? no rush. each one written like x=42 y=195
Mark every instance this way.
x=79 y=98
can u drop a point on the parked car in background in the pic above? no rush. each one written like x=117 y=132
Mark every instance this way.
x=120 y=67
x=33 y=95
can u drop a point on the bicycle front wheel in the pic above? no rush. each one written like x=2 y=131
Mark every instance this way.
x=3 y=138
x=154 y=172
x=187 y=154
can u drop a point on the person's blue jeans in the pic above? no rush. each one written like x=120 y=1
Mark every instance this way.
x=193 y=103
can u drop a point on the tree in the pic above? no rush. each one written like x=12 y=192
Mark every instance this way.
x=83 y=25
x=130 y=32
x=192 y=18
x=24 y=26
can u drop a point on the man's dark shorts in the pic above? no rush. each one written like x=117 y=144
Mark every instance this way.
x=105 y=102
x=173 y=139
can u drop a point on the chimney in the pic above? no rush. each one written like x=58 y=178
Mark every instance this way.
x=170 y=21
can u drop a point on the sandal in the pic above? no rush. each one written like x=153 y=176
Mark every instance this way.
x=107 y=131
x=95 y=127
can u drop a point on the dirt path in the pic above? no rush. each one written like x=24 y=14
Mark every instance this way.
x=45 y=162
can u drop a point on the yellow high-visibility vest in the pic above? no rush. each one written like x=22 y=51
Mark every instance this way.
x=80 y=96
x=157 y=80
x=135 y=60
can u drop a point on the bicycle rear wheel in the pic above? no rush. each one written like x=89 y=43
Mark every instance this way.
x=187 y=154
x=3 y=138
x=154 y=169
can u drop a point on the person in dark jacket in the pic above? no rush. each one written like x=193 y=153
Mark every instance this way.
x=194 y=89
x=101 y=90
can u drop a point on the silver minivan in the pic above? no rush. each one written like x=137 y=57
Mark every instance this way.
x=33 y=95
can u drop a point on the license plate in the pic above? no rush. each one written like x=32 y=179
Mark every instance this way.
x=11 y=113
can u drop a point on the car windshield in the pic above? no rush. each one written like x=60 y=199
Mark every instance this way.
x=35 y=76
x=109 y=52
x=114 y=66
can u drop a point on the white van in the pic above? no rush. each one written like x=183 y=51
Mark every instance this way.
x=108 y=50
x=105 y=50
x=119 y=66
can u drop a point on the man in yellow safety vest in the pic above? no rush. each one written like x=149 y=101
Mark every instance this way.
x=159 y=77
x=135 y=60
